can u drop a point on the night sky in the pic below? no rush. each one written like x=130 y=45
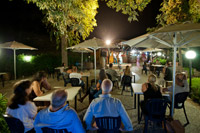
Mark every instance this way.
x=23 y=22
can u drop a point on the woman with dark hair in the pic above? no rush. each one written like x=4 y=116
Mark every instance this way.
x=94 y=92
x=20 y=107
x=39 y=80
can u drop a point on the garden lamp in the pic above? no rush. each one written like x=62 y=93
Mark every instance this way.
x=190 y=55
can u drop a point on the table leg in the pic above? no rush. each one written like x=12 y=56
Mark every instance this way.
x=75 y=102
x=87 y=83
x=138 y=109
x=134 y=101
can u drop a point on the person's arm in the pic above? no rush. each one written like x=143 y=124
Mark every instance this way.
x=88 y=117
x=98 y=86
x=144 y=87
x=32 y=110
x=36 y=88
x=124 y=117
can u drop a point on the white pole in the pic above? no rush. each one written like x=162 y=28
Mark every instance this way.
x=174 y=72
x=81 y=61
x=15 y=63
x=95 y=65
x=174 y=75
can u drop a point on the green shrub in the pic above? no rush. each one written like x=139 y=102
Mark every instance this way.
x=161 y=60
x=3 y=105
x=46 y=62
x=195 y=89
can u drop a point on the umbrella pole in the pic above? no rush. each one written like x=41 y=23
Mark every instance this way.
x=95 y=65
x=15 y=63
x=174 y=77
x=81 y=61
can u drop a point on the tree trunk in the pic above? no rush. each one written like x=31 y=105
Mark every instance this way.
x=180 y=57
x=64 y=52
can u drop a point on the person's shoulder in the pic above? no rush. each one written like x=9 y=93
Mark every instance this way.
x=29 y=103
x=35 y=82
x=70 y=111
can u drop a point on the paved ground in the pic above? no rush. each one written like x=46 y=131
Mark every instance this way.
x=192 y=109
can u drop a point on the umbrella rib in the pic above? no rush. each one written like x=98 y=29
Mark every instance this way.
x=184 y=38
x=189 y=41
x=139 y=42
x=169 y=37
x=161 y=41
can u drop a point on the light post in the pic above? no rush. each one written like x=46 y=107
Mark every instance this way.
x=190 y=55
x=108 y=43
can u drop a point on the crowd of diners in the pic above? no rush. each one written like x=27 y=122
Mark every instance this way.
x=59 y=115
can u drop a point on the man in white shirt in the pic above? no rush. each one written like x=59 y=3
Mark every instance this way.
x=107 y=106
x=112 y=72
x=77 y=75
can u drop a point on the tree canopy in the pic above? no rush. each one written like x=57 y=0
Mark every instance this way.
x=177 y=11
x=70 y=18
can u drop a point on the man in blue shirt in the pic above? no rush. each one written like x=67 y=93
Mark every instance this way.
x=107 y=106
x=58 y=115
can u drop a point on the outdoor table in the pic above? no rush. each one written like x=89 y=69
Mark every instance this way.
x=2 y=79
x=137 y=89
x=86 y=74
x=71 y=94
x=157 y=66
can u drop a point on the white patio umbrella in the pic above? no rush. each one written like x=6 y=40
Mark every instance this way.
x=82 y=50
x=174 y=36
x=93 y=44
x=152 y=50
x=15 y=46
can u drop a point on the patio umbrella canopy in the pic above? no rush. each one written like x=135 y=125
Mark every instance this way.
x=82 y=50
x=93 y=44
x=15 y=46
x=170 y=36
x=152 y=50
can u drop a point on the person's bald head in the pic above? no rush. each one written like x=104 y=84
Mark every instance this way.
x=106 y=86
x=58 y=98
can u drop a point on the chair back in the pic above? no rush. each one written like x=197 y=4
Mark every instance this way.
x=156 y=109
x=108 y=124
x=109 y=76
x=126 y=80
x=14 y=124
x=180 y=99
x=50 y=130
x=74 y=82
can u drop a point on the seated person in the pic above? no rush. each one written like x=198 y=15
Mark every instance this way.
x=94 y=92
x=20 y=107
x=38 y=82
x=127 y=72
x=58 y=115
x=144 y=67
x=75 y=74
x=106 y=105
x=151 y=91
x=180 y=86
x=112 y=72
x=168 y=72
